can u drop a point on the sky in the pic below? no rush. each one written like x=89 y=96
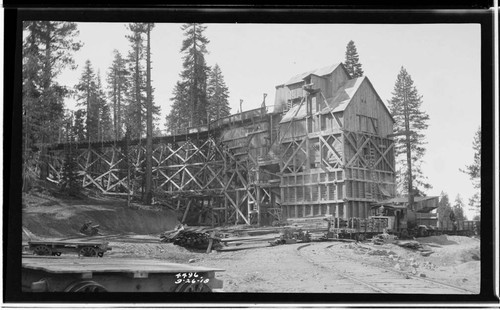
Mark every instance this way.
x=442 y=59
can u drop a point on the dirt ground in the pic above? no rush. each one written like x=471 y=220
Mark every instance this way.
x=455 y=259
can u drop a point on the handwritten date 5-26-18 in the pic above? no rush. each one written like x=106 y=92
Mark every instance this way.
x=190 y=277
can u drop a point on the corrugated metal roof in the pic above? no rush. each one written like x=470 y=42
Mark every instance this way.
x=336 y=103
x=295 y=113
x=343 y=96
x=319 y=72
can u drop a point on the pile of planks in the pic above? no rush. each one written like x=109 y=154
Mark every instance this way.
x=246 y=242
x=192 y=237
x=361 y=225
x=312 y=227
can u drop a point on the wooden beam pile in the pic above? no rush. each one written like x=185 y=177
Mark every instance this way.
x=308 y=227
x=191 y=237
x=247 y=242
x=360 y=224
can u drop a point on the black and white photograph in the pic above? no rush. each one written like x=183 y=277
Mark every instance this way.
x=256 y=157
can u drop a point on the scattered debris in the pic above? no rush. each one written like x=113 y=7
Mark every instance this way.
x=384 y=238
x=196 y=238
x=378 y=252
x=89 y=229
x=426 y=253
x=414 y=245
x=429 y=265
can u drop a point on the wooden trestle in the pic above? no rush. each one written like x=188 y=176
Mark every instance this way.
x=211 y=176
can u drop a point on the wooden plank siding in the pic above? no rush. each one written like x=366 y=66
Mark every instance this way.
x=333 y=81
x=367 y=103
x=336 y=163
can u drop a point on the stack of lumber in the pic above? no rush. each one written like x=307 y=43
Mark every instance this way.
x=376 y=224
x=236 y=243
x=223 y=238
x=311 y=224
x=359 y=224
x=314 y=227
x=191 y=237
x=245 y=230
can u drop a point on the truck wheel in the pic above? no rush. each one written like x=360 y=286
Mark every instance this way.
x=88 y=251
x=42 y=250
x=193 y=287
x=85 y=287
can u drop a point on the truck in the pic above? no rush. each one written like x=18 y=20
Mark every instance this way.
x=393 y=216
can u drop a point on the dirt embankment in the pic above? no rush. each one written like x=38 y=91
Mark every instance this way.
x=48 y=216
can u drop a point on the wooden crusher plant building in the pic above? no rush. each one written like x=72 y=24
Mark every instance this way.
x=324 y=149
x=336 y=156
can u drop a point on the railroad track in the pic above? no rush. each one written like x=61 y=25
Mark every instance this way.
x=368 y=278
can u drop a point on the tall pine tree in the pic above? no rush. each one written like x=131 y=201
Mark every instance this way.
x=78 y=129
x=178 y=118
x=474 y=171
x=104 y=117
x=136 y=96
x=193 y=80
x=444 y=208
x=149 y=120
x=217 y=94
x=351 y=62
x=87 y=96
x=70 y=183
x=458 y=209
x=411 y=122
x=48 y=47
x=117 y=86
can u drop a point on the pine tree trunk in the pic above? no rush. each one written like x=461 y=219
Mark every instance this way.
x=119 y=121
x=44 y=166
x=408 y=153
x=137 y=91
x=149 y=120
x=115 y=108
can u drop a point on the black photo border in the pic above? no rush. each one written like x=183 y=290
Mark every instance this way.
x=15 y=14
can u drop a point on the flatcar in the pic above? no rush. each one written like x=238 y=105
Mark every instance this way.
x=85 y=274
